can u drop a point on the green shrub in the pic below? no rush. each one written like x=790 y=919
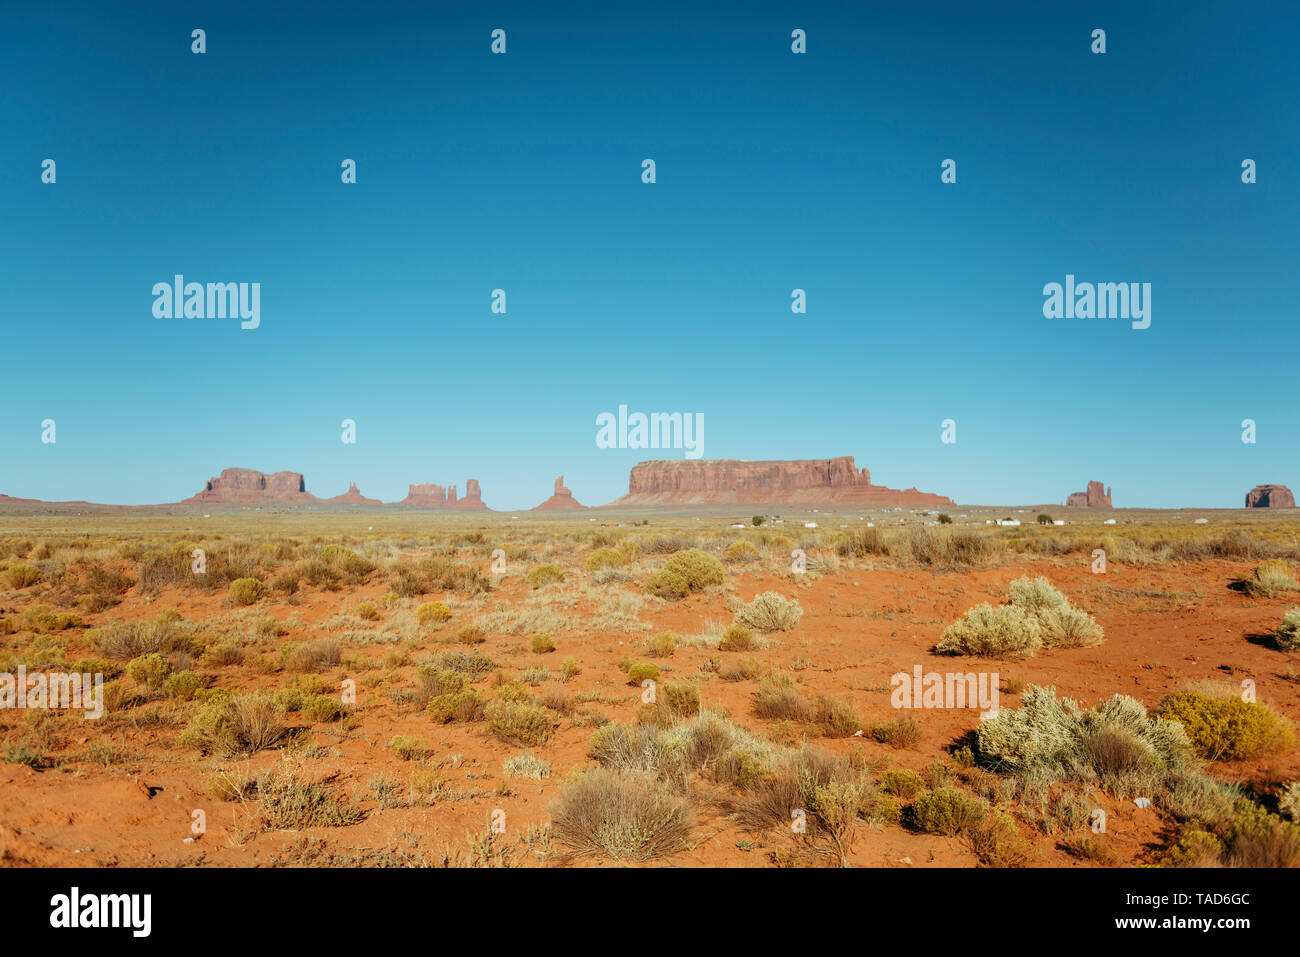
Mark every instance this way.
x=741 y=551
x=320 y=708
x=21 y=576
x=639 y=672
x=663 y=645
x=838 y=719
x=1287 y=636
x=604 y=558
x=519 y=723
x=470 y=635
x=239 y=724
x=900 y=732
x=903 y=783
x=542 y=644
x=1003 y=632
x=150 y=670
x=948 y=811
x=1223 y=727
x=184 y=685
x=464 y=705
x=544 y=575
x=736 y=638
x=246 y=591
x=686 y=573
x=432 y=613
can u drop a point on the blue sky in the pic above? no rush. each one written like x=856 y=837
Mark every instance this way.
x=775 y=171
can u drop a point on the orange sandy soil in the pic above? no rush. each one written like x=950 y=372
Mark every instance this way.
x=1165 y=626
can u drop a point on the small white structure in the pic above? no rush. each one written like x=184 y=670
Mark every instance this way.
x=1058 y=521
x=809 y=524
x=1202 y=521
x=1009 y=522
x=1109 y=521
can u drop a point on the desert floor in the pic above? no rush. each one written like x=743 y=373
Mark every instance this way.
x=411 y=790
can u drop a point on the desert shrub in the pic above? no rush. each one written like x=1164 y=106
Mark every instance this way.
x=435 y=681
x=43 y=618
x=640 y=671
x=777 y=698
x=741 y=551
x=542 y=644
x=1003 y=632
x=321 y=707
x=367 y=611
x=736 y=638
x=903 y=783
x=470 y=635
x=289 y=801
x=150 y=670
x=1224 y=727
x=620 y=813
x=404 y=581
x=686 y=573
x=1043 y=519
x=1287 y=636
x=353 y=567
x=948 y=811
x=311 y=655
x=770 y=612
x=519 y=723
x=997 y=842
x=1259 y=839
x=1270 y=576
x=239 y=724
x=443 y=575
x=466 y=705
x=1117 y=741
x=681 y=700
x=511 y=689
x=1195 y=848
x=543 y=575
x=184 y=685
x=21 y=576
x=246 y=591
x=432 y=613
x=900 y=732
x=604 y=558
x=570 y=669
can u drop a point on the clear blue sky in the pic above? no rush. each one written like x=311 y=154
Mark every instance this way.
x=775 y=171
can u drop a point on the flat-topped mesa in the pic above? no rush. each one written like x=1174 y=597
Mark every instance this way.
x=1270 y=496
x=249 y=485
x=426 y=494
x=794 y=482
x=1097 y=496
x=352 y=496
x=562 y=499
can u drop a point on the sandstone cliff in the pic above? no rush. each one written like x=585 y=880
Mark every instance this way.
x=729 y=481
x=249 y=487
x=436 y=496
x=1270 y=496
x=352 y=496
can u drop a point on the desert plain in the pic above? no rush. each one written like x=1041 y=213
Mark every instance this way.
x=369 y=687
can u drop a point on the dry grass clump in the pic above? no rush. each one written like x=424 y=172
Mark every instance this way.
x=741 y=552
x=778 y=699
x=21 y=575
x=901 y=732
x=516 y=722
x=945 y=548
x=247 y=591
x=1038 y=616
x=432 y=613
x=1269 y=578
x=769 y=612
x=861 y=543
x=125 y=640
x=622 y=814
x=736 y=638
x=312 y=655
x=543 y=575
x=239 y=724
x=289 y=800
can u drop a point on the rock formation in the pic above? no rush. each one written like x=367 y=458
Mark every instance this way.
x=728 y=481
x=1270 y=496
x=436 y=496
x=562 y=499
x=250 y=487
x=352 y=496
x=1096 y=496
